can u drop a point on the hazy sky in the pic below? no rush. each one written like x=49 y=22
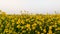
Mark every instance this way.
x=33 y=6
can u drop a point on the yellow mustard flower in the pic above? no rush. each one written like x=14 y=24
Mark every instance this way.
x=27 y=19
x=22 y=27
x=13 y=24
x=50 y=32
x=28 y=25
x=34 y=24
x=6 y=30
x=33 y=28
x=23 y=31
x=44 y=30
x=38 y=32
x=42 y=33
x=50 y=27
x=1 y=25
x=22 y=22
x=17 y=22
x=10 y=31
x=58 y=28
x=18 y=26
x=13 y=20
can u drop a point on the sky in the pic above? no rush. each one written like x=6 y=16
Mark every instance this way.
x=33 y=6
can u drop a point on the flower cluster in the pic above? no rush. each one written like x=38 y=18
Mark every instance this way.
x=29 y=24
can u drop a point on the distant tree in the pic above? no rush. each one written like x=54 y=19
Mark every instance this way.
x=55 y=12
x=0 y=11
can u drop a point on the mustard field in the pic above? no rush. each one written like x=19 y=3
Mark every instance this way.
x=29 y=24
